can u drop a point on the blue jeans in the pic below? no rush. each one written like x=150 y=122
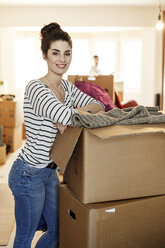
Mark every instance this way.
x=36 y=192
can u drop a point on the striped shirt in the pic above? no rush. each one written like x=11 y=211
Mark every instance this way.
x=42 y=109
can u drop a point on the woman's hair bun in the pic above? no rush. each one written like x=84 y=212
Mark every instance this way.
x=50 y=33
x=49 y=28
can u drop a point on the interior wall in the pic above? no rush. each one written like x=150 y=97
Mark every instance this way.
x=11 y=16
x=7 y=59
x=78 y=15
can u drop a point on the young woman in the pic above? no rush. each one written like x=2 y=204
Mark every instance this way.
x=49 y=103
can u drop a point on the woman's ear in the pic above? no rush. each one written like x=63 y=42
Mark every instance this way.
x=44 y=56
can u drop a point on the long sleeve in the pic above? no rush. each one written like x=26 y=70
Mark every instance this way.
x=45 y=104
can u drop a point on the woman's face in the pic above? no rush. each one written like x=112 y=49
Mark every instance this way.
x=59 y=57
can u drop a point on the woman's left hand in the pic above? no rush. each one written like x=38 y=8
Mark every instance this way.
x=60 y=127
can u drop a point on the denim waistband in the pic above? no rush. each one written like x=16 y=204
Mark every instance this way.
x=52 y=166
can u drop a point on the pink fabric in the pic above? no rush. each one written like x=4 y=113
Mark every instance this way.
x=97 y=92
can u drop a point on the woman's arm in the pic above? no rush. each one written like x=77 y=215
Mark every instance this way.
x=91 y=108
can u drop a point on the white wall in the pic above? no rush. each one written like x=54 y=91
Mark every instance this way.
x=78 y=16
x=11 y=16
x=149 y=86
x=7 y=58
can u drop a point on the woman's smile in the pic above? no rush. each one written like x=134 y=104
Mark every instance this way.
x=61 y=66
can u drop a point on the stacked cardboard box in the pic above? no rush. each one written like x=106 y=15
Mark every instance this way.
x=2 y=148
x=138 y=223
x=23 y=131
x=115 y=193
x=11 y=118
x=2 y=154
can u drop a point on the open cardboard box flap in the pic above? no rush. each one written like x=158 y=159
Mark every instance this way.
x=126 y=130
x=64 y=144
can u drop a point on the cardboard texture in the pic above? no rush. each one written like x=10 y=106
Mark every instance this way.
x=12 y=137
x=63 y=146
x=112 y=163
x=23 y=131
x=2 y=154
x=11 y=113
x=1 y=135
x=138 y=223
x=119 y=89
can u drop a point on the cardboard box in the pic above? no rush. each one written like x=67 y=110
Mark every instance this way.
x=1 y=135
x=138 y=223
x=23 y=131
x=2 y=154
x=119 y=88
x=112 y=163
x=13 y=137
x=11 y=113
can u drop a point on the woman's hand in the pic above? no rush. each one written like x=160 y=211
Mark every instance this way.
x=82 y=112
x=61 y=128
x=93 y=107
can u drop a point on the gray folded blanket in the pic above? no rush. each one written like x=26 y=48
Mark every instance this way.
x=137 y=115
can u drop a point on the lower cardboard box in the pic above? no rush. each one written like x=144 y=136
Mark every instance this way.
x=135 y=223
x=12 y=137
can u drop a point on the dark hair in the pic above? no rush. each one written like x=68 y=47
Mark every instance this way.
x=53 y=32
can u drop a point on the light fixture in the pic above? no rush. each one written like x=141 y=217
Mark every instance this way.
x=160 y=24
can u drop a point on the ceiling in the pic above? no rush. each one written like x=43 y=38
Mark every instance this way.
x=84 y=2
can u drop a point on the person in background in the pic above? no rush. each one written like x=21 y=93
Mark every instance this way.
x=49 y=103
x=95 y=71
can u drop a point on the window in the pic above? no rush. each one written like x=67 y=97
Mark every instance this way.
x=80 y=57
x=118 y=52
x=131 y=64
x=106 y=50
x=29 y=63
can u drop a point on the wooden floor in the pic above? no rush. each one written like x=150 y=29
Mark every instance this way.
x=4 y=170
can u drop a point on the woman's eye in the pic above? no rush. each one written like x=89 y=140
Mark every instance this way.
x=55 y=53
x=67 y=54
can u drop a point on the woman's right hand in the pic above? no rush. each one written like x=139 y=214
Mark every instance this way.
x=61 y=128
